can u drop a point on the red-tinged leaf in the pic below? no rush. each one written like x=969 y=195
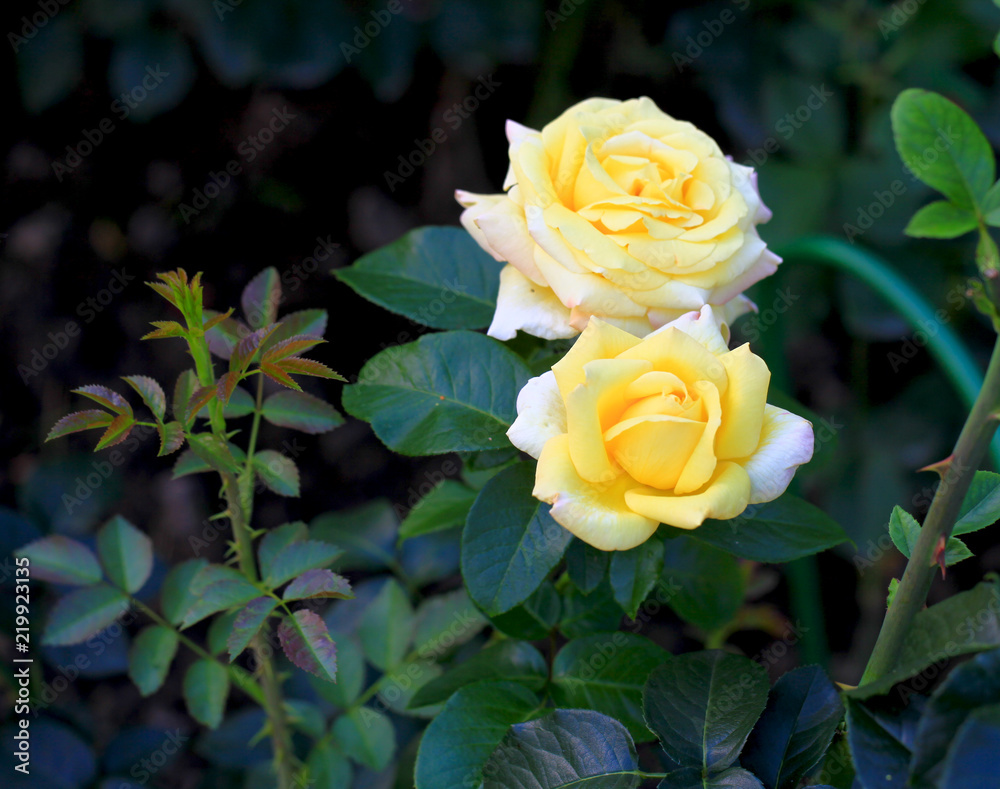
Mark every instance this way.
x=278 y=375
x=278 y=472
x=165 y=329
x=293 y=346
x=117 y=431
x=309 y=367
x=214 y=451
x=171 y=438
x=248 y=624
x=247 y=347
x=151 y=392
x=318 y=583
x=225 y=335
x=261 y=297
x=62 y=561
x=308 y=645
x=187 y=382
x=80 y=420
x=215 y=318
x=199 y=399
x=227 y=383
x=164 y=290
x=301 y=411
x=106 y=397
x=311 y=322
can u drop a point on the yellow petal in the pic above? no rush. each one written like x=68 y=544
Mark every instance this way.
x=654 y=450
x=726 y=495
x=598 y=341
x=743 y=403
x=702 y=461
x=597 y=514
x=594 y=407
x=675 y=352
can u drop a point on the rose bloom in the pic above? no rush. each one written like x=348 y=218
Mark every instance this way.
x=616 y=209
x=674 y=429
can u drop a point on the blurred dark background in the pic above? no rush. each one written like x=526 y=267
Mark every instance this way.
x=121 y=118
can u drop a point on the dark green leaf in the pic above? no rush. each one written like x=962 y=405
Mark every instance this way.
x=261 y=298
x=350 y=673
x=83 y=613
x=802 y=714
x=981 y=506
x=214 y=451
x=171 y=438
x=586 y=565
x=248 y=623
x=437 y=276
x=328 y=767
x=297 y=557
x=941 y=219
x=471 y=725
x=301 y=411
x=445 y=507
x=516 y=661
x=176 y=595
x=444 y=622
x=386 y=629
x=307 y=643
x=126 y=554
x=974 y=757
x=220 y=629
x=77 y=421
x=448 y=392
x=607 y=672
x=278 y=472
x=877 y=747
x=151 y=392
x=367 y=737
x=534 y=618
x=634 y=573
x=366 y=533
x=584 y=615
x=692 y=778
x=318 y=584
x=217 y=595
x=311 y=322
x=702 y=706
x=186 y=383
x=206 y=686
x=276 y=540
x=510 y=542
x=704 y=585
x=904 y=531
x=567 y=748
x=782 y=530
x=943 y=146
x=150 y=657
x=62 y=561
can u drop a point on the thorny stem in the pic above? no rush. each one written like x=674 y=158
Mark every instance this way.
x=956 y=475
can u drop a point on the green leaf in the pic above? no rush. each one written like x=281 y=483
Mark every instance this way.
x=108 y=398
x=171 y=438
x=584 y=615
x=61 y=560
x=877 y=747
x=214 y=451
x=151 y=392
x=702 y=706
x=445 y=507
x=515 y=661
x=307 y=643
x=704 y=585
x=220 y=629
x=970 y=686
x=84 y=613
x=444 y=622
x=313 y=584
x=606 y=672
x=972 y=758
x=206 y=686
x=358 y=531
x=386 y=628
x=301 y=411
x=367 y=737
x=692 y=778
x=126 y=554
x=150 y=657
x=297 y=557
x=311 y=322
x=248 y=622
x=464 y=734
x=535 y=618
x=437 y=276
x=782 y=530
x=943 y=146
x=117 y=431
x=962 y=624
x=187 y=383
x=904 y=531
x=78 y=421
x=278 y=472
x=567 y=748
x=241 y=403
x=634 y=573
x=276 y=540
x=981 y=505
x=261 y=298
x=212 y=596
x=941 y=219
x=403 y=683
x=350 y=674
x=510 y=542
x=176 y=595
x=587 y=566
x=448 y=392
x=802 y=714
x=328 y=767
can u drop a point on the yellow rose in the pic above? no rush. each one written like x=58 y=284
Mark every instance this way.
x=674 y=428
x=618 y=210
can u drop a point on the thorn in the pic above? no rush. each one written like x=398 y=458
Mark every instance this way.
x=941 y=467
x=939 y=554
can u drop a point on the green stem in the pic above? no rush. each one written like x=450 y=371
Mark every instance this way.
x=957 y=473
x=944 y=346
x=255 y=427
